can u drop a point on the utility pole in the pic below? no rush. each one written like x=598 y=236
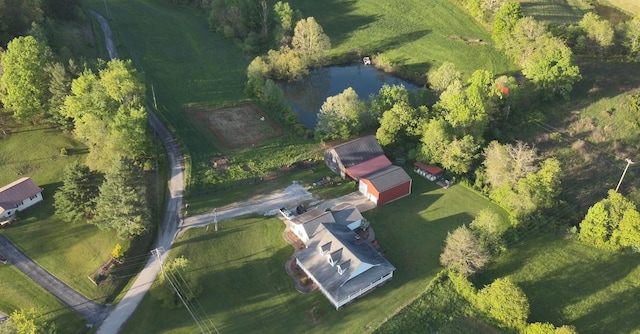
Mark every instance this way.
x=155 y=103
x=215 y=219
x=629 y=162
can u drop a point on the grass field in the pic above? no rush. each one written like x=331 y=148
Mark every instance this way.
x=247 y=290
x=19 y=292
x=632 y=7
x=570 y=283
x=556 y=11
x=414 y=34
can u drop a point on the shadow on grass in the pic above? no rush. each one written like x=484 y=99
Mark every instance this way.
x=618 y=315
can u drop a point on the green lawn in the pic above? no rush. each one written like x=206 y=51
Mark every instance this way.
x=69 y=251
x=573 y=284
x=556 y=11
x=418 y=35
x=19 y=292
x=246 y=288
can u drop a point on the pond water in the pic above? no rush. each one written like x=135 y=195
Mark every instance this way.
x=307 y=95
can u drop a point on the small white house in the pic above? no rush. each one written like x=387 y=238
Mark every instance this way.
x=18 y=196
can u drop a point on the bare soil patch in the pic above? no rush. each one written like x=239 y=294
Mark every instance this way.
x=239 y=126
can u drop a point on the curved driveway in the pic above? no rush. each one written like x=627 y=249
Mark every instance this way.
x=169 y=227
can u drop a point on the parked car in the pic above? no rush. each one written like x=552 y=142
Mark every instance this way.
x=286 y=213
x=3 y=259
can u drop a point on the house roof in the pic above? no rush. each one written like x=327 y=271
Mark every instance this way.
x=312 y=220
x=435 y=170
x=356 y=263
x=357 y=151
x=368 y=166
x=345 y=213
x=13 y=193
x=388 y=177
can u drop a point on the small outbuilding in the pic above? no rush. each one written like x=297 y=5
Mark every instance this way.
x=18 y=196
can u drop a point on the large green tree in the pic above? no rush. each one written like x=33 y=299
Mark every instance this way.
x=400 y=123
x=504 y=22
x=74 y=201
x=108 y=113
x=442 y=77
x=121 y=205
x=599 y=30
x=310 y=41
x=505 y=302
x=25 y=83
x=612 y=223
x=339 y=116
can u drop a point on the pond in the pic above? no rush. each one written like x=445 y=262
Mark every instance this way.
x=307 y=95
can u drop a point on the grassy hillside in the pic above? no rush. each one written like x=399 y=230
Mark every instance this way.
x=556 y=11
x=247 y=290
x=570 y=283
x=418 y=35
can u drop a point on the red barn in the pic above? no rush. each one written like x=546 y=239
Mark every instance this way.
x=386 y=185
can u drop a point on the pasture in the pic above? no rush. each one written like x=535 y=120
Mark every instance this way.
x=571 y=283
x=246 y=289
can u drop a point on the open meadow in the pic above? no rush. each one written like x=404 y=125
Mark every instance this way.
x=246 y=288
x=569 y=283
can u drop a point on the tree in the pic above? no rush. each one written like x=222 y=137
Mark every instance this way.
x=26 y=321
x=506 y=164
x=631 y=30
x=598 y=30
x=16 y=17
x=505 y=302
x=442 y=77
x=287 y=64
x=504 y=21
x=387 y=97
x=108 y=113
x=547 y=328
x=121 y=205
x=399 y=123
x=460 y=154
x=339 y=115
x=488 y=227
x=176 y=279
x=75 y=199
x=627 y=235
x=286 y=17
x=551 y=66
x=24 y=83
x=463 y=252
x=612 y=223
x=310 y=41
x=59 y=88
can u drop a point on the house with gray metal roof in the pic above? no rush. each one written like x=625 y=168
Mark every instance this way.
x=343 y=266
x=18 y=196
x=307 y=224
